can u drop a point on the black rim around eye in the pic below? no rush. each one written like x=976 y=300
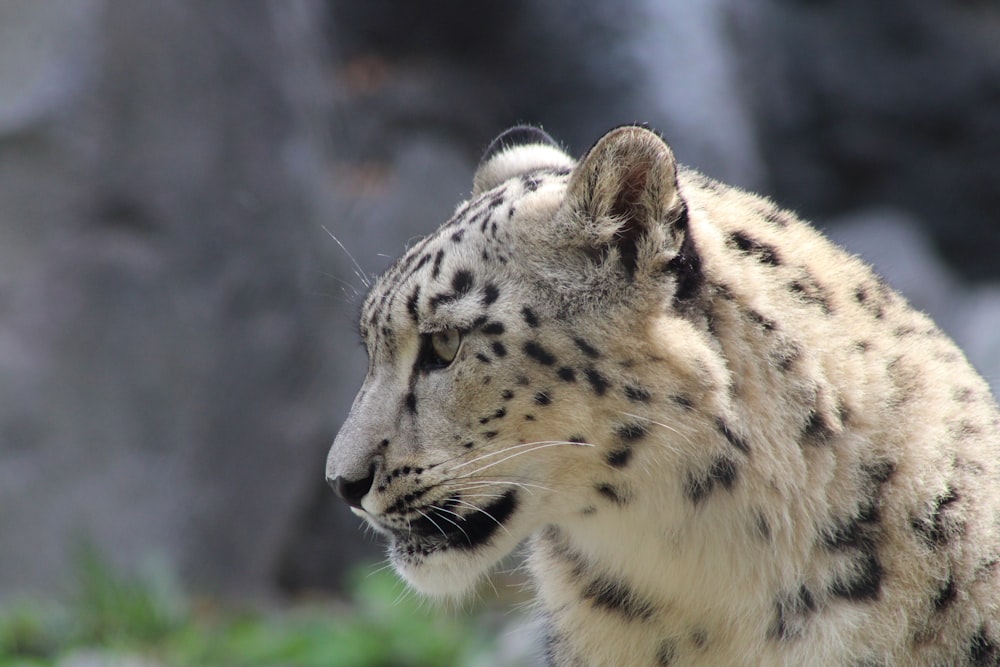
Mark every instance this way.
x=429 y=359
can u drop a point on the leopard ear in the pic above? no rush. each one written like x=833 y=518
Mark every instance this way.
x=623 y=198
x=519 y=150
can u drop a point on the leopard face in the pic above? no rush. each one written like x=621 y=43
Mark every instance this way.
x=484 y=341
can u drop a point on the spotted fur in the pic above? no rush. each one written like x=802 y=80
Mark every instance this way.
x=724 y=440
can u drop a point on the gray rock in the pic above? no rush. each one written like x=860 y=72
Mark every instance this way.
x=166 y=370
x=690 y=89
x=882 y=103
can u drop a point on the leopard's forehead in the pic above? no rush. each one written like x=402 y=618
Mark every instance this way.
x=464 y=258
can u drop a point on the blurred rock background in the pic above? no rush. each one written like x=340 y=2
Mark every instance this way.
x=177 y=343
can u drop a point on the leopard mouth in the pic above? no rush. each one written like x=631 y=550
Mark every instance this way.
x=441 y=526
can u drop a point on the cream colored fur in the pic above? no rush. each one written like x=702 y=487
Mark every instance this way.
x=742 y=448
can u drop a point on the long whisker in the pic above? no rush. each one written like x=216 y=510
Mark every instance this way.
x=434 y=523
x=491 y=454
x=480 y=509
x=672 y=429
x=536 y=447
x=360 y=273
x=498 y=452
x=473 y=484
x=437 y=509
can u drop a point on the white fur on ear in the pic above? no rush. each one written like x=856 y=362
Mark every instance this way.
x=517 y=151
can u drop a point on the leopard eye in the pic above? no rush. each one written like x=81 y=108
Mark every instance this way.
x=440 y=348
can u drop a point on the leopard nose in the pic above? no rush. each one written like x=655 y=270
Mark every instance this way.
x=352 y=491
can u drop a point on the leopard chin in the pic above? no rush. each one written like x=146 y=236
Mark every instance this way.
x=446 y=556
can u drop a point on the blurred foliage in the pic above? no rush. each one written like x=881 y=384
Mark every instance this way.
x=147 y=617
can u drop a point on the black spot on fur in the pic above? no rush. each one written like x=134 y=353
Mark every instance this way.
x=436 y=269
x=543 y=398
x=686 y=265
x=539 y=353
x=462 y=282
x=457 y=236
x=493 y=328
x=636 y=394
x=616 y=597
x=946 y=596
x=412 y=302
x=723 y=470
x=490 y=294
x=498 y=349
x=506 y=394
x=666 y=653
x=761 y=321
x=861 y=294
x=983 y=650
x=631 y=432
x=778 y=218
x=683 y=401
x=864 y=583
x=786 y=356
x=587 y=349
x=411 y=403
x=762 y=527
x=964 y=429
x=845 y=535
x=816 y=430
x=733 y=439
x=874 y=299
x=619 y=458
x=811 y=292
x=878 y=472
x=791 y=614
x=483 y=358
x=762 y=252
x=963 y=395
x=937 y=527
x=409 y=260
x=699 y=486
x=529 y=317
x=611 y=493
x=566 y=374
x=598 y=382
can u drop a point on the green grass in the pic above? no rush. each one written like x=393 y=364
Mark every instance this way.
x=147 y=615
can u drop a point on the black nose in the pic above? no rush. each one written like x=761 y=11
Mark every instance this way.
x=353 y=490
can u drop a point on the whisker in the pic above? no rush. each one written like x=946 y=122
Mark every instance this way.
x=359 y=271
x=433 y=523
x=498 y=452
x=672 y=429
x=473 y=484
x=535 y=447
x=438 y=510
x=493 y=453
x=386 y=566
x=480 y=509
